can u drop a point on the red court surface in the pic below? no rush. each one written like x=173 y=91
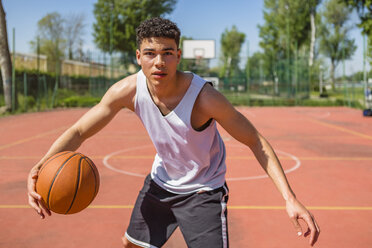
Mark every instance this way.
x=327 y=153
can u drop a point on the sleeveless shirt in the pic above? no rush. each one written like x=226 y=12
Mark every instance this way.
x=187 y=160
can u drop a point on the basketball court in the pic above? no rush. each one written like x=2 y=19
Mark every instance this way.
x=326 y=153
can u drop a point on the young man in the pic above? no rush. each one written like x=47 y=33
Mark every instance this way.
x=186 y=186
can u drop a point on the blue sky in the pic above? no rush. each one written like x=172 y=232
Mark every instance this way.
x=199 y=19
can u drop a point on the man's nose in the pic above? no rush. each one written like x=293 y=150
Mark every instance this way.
x=159 y=60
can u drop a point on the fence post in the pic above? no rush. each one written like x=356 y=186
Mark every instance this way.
x=57 y=75
x=296 y=74
x=248 y=75
x=38 y=74
x=25 y=91
x=346 y=91
x=45 y=91
x=111 y=45
x=55 y=90
x=90 y=73
x=13 y=74
x=365 y=71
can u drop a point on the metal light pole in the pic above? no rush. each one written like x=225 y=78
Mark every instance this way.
x=248 y=69
x=288 y=51
x=321 y=80
x=111 y=43
x=13 y=74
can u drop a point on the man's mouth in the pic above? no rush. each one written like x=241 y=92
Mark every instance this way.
x=159 y=74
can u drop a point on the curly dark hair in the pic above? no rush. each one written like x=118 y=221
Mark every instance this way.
x=157 y=27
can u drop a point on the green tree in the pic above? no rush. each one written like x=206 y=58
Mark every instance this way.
x=256 y=68
x=116 y=22
x=5 y=61
x=74 y=32
x=335 y=42
x=231 y=43
x=51 y=39
x=364 y=9
x=286 y=29
x=269 y=33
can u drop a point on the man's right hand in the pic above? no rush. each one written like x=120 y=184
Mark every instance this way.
x=34 y=199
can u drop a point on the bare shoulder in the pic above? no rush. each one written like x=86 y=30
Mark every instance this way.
x=122 y=93
x=211 y=98
x=212 y=103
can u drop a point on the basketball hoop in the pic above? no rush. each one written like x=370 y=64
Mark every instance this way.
x=198 y=60
x=198 y=54
x=198 y=49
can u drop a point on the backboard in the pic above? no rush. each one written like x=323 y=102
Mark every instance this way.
x=198 y=49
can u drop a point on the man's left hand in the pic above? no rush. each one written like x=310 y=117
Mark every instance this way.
x=297 y=211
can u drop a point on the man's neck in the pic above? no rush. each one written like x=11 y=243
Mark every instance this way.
x=167 y=88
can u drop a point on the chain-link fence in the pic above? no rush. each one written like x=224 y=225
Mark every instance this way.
x=277 y=82
x=45 y=91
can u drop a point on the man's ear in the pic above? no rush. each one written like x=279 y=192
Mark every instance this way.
x=179 y=54
x=138 y=56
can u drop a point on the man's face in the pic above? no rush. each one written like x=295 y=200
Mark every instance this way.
x=158 y=58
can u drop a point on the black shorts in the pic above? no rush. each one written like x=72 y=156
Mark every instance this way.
x=202 y=217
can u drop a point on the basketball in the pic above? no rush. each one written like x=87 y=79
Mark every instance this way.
x=68 y=182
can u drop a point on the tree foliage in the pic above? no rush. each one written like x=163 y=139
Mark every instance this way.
x=287 y=28
x=335 y=42
x=231 y=43
x=364 y=9
x=74 y=32
x=121 y=17
x=58 y=36
x=256 y=68
x=287 y=23
x=50 y=40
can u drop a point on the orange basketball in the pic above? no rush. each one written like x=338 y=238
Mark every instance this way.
x=68 y=182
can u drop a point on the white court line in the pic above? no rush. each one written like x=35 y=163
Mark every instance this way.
x=109 y=166
x=295 y=167
x=321 y=116
x=107 y=157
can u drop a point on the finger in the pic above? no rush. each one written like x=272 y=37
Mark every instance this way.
x=31 y=185
x=316 y=224
x=317 y=232
x=314 y=239
x=297 y=226
x=34 y=175
x=313 y=231
x=34 y=204
x=43 y=206
x=35 y=195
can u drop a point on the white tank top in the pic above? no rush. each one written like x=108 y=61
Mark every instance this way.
x=187 y=160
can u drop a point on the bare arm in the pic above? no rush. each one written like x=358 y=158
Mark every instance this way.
x=214 y=105
x=118 y=96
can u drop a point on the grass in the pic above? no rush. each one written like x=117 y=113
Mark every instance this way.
x=354 y=99
x=67 y=99
x=63 y=99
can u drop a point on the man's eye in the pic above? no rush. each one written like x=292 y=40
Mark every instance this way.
x=149 y=53
x=168 y=53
